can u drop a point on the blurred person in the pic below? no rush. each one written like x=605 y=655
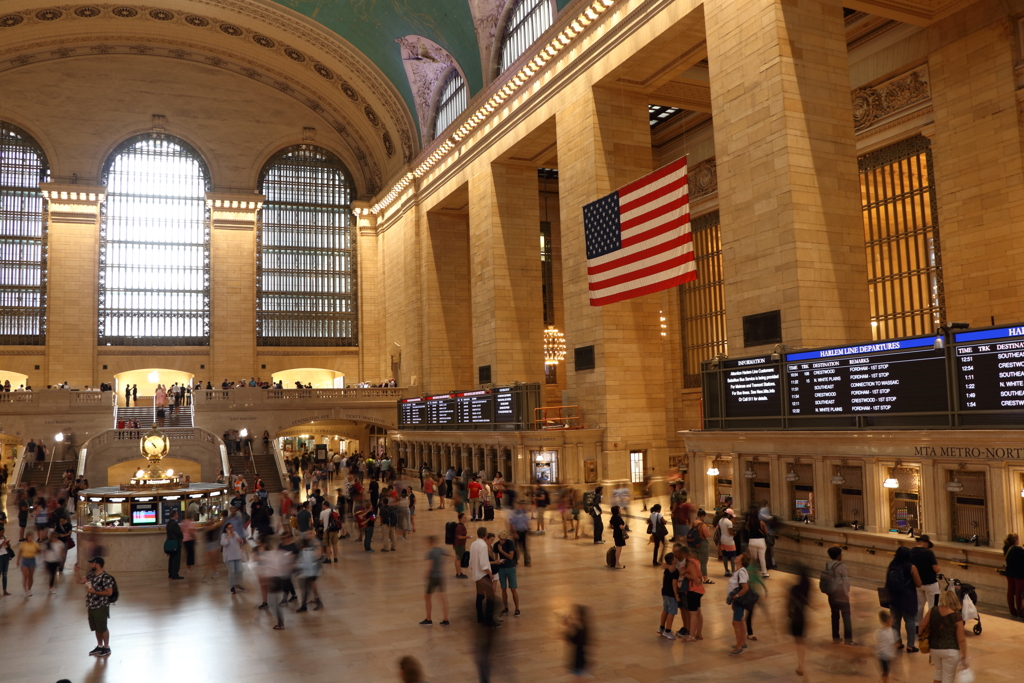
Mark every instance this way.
x=839 y=595
x=459 y=545
x=388 y=514
x=595 y=514
x=541 y=500
x=506 y=550
x=669 y=597
x=231 y=549
x=480 y=572
x=621 y=497
x=658 y=530
x=901 y=581
x=757 y=585
x=435 y=579
x=519 y=526
x=577 y=633
x=757 y=535
x=188 y=539
x=99 y=587
x=365 y=520
x=172 y=546
x=1014 y=555
x=619 y=535
x=5 y=560
x=692 y=578
x=739 y=585
x=26 y=559
x=288 y=546
x=928 y=569
x=885 y=644
x=727 y=542
x=52 y=551
x=945 y=630
x=331 y=523
x=309 y=569
x=799 y=599
x=212 y=547
x=410 y=671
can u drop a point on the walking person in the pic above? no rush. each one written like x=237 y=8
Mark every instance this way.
x=310 y=568
x=669 y=597
x=459 y=545
x=799 y=599
x=923 y=558
x=480 y=573
x=885 y=644
x=505 y=549
x=428 y=487
x=658 y=530
x=435 y=580
x=945 y=631
x=231 y=549
x=5 y=561
x=577 y=633
x=188 y=540
x=1014 y=555
x=619 y=535
x=519 y=525
x=739 y=585
x=53 y=557
x=389 y=521
x=901 y=582
x=172 y=546
x=835 y=583
x=26 y=559
x=99 y=589
x=757 y=535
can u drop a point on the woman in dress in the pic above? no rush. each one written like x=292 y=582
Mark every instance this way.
x=618 y=526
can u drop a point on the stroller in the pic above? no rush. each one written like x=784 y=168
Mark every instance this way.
x=965 y=589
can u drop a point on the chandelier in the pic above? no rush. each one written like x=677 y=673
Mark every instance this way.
x=554 y=346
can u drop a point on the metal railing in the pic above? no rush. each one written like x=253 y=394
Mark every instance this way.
x=558 y=417
x=307 y=394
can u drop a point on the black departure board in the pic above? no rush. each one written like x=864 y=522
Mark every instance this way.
x=897 y=376
x=990 y=369
x=504 y=405
x=753 y=387
x=497 y=408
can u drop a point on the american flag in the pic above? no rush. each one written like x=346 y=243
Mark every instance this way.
x=638 y=239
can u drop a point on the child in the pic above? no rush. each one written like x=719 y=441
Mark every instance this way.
x=885 y=643
x=669 y=597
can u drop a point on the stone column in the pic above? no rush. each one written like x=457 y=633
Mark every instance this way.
x=604 y=142
x=232 y=283
x=72 y=302
x=789 y=195
x=371 y=356
x=504 y=245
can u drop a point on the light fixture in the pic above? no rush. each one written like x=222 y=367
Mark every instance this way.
x=244 y=433
x=554 y=346
x=139 y=474
x=954 y=485
x=713 y=470
x=153 y=377
x=1022 y=493
x=170 y=473
x=792 y=476
x=838 y=480
x=664 y=326
x=58 y=437
x=890 y=482
x=777 y=352
x=750 y=473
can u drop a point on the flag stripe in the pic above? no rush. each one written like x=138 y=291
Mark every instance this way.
x=657 y=229
x=648 y=251
x=638 y=200
x=652 y=211
x=679 y=256
x=654 y=177
x=626 y=252
x=648 y=289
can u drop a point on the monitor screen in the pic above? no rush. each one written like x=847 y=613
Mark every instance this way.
x=144 y=514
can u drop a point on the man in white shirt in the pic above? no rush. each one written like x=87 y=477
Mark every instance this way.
x=727 y=543
x=480 y=572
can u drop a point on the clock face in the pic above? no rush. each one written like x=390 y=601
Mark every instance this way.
x=153 y=445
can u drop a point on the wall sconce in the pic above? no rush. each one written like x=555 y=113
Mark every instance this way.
x=839 y=479
x=713 y=470
x=750 y=473
x=792 y=475
x=890 y=482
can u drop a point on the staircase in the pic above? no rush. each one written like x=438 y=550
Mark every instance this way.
x=144 y=414
x=37 y=477
x=266 y=467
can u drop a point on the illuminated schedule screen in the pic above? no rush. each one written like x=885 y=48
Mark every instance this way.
x=898 y=376
x=753 y=387
x=990 y=369
x=498 y=406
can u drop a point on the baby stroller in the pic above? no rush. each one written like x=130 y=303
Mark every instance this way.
x=965 y=589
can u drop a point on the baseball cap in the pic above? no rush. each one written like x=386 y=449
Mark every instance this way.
x=97 y=560
x=729 y=512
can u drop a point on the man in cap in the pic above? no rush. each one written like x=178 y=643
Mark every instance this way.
x=923 y=557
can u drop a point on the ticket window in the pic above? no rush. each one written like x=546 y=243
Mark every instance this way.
x=801 y=493
x=905 y=500
x=723 y=483
x=545 y=466
x=761 y=484
x=969 y=507
x=849 y=484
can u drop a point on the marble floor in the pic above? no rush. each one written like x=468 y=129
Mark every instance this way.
x=197 y=631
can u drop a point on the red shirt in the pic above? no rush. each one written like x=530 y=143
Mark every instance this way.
x=474 y=489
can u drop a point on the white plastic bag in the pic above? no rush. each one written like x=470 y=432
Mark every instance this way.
x=969 y=611
x=964 y=675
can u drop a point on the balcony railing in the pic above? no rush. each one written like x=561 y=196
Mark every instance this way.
x=391 y=393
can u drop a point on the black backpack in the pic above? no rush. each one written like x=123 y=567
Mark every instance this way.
x=449 y=533
x=115 y=594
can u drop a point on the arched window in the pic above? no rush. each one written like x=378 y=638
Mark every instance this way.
x=526 y=23
x=154 y=287
x=306 y=252
x=451 y=102
x=22 y=238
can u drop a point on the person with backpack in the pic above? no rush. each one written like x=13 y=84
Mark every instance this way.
x=389 y=520
x=100 y=593
x=592 y=506
x=703 y=539
x=901 y=582
x=738 y=588
x=658 y=530
x=835 y=583
x=332 y=529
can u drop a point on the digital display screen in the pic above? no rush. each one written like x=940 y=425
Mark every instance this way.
x=143 y=514
x=475 y=409
x=503 y=405
x=990 y=369
x=897 y=376
x=753 y=387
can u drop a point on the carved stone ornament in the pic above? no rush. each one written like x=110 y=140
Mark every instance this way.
x=702 y=178
x=874 y=103
x=426 y=63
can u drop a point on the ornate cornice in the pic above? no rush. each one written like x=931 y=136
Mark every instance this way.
x=874 y=103
x=702 y=179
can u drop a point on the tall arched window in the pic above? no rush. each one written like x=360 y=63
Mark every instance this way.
x=154 y=287
x=22 y=238
x=451 y=102
x=306 y=254
x=526 y=23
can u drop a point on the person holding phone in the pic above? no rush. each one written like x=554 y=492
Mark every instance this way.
x=99 y=587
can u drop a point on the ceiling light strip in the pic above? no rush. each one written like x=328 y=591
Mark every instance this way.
x=560 y=42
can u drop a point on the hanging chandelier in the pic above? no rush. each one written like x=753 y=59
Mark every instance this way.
x=554 y=346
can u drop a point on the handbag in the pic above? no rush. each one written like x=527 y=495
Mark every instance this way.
x=964 y=675
x=171 y=545
x=924 y=638
x=884 y=597
x=748 y=599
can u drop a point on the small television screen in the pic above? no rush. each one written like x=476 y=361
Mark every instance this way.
x=144 y=514
x=801 y=503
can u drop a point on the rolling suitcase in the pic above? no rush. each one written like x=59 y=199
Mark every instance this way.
x=609 y=557
x=488 y=513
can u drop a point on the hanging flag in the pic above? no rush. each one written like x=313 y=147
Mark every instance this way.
x=638 y=239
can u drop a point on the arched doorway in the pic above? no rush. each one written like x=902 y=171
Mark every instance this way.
x=15 y=378
x=147 y=379
x=320 y=378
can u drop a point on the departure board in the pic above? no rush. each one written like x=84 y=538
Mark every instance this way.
x=498 y=408
x=897 y=376
x=990 y=369
x=504 y=410
x=753 y=387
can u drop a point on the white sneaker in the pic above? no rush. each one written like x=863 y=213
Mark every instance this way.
x=669 y=635
x=53 y=591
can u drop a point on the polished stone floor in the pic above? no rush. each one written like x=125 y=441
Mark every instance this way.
x=197 y=631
